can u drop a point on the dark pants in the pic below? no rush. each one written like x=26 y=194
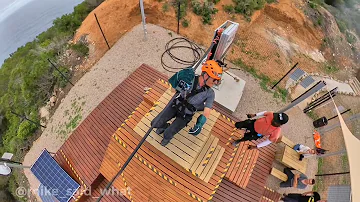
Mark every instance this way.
x=290 y=176
x=179 y=123
x=251 y=134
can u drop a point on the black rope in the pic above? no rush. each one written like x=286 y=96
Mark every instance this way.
x=181 y=43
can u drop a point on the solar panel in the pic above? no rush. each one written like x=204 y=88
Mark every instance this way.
x=45 y=195
x=54 y=178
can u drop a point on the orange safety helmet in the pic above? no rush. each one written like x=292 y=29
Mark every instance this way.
x=213 y=69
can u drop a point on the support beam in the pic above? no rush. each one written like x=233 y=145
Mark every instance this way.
x=332 y=154
x=325 y=129
x=307 y=94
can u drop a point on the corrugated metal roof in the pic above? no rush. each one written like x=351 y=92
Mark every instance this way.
x=339 y=193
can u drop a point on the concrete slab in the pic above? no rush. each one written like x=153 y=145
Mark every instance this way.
x=331 y=84
x=229 y=92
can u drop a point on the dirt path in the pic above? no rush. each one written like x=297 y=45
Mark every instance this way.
x=120 y=61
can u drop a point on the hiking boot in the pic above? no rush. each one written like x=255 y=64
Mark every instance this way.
x=161 y=130
x=164 y=142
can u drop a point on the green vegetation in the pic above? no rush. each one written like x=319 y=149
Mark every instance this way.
x=27 y=81
x=330 y=68
x=313 y=115
x=247 y=7
x=342 y=25
x=185 y=23
x=315 y=3
x=183 y=7
x=165 y=7
x=319 y=185
x=205 y=9
x=229 y=8
x=350 y=37
x=81 y=49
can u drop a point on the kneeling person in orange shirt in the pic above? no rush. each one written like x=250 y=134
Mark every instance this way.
x=268 y=125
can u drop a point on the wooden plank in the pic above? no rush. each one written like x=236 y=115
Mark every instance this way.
x=214 y=163
x=205 y=169
x=170 y=149
x=167 y=165
x=287 y=141
x=246 y=177
x=183 y=136
x=176 y=141
x=202 y=154
x=291 y=159
x=200 y=167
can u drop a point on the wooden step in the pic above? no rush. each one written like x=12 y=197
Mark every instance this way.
x=242 y=166
x=287 y=142
x=278 y=174
x=355 y=85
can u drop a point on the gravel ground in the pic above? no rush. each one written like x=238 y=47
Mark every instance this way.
x=121 y=60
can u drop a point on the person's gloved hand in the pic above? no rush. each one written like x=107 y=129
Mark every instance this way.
x=198 y=126
x=250 y=115
x=301 y=157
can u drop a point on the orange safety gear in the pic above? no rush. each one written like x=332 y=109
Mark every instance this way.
x=213 y=69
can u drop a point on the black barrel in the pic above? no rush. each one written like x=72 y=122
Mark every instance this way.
x=320 y=122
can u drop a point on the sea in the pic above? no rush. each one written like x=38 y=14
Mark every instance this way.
x=22 y=20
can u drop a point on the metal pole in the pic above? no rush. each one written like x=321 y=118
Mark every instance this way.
x=143 y=18
x=305 y=95
x=178 y=27
x=9 y=161
x=323 y=97
x=135 y=150
x=285 y=75
x=306 y=91
x=316 y=105
x=331 y=127
x=333 y=174
x=11 y=165
x=24 y=117
x=60 y=72
x=102 y=31
x=340 y=114
x=332 y=154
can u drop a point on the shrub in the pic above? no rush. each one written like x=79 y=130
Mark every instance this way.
x=206 y=10
x=350 y=37
x=80 y=48
x=330 y=68
x=165 y=7
x=183 y=7
x=185 y=23
x=342 y=26
x=247 y=7
x=229 y=8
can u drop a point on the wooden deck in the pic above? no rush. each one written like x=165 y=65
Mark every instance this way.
x=86 y=148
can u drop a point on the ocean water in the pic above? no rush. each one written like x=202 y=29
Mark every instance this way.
x=22 y=20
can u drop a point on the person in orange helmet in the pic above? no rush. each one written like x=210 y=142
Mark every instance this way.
x=195 y=94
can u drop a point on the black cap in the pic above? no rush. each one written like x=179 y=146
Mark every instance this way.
x=281 y=118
